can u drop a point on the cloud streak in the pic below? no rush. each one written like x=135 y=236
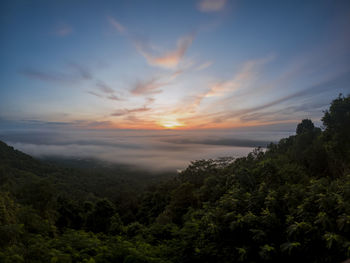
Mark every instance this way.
x=115 y=98
x=95 y=94
x=124 y=112
x=63 y=30
x=47 y=76
x=119 y=27
x=204 y=65
x=105 y=91
x=208 y=6
x=82 y=71
x=246 y=75
x=318 y=88
x=147 y=87
x=168 y=59
x=104 y=87
x=76 y=73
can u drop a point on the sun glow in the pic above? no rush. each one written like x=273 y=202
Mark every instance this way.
x=170 y=123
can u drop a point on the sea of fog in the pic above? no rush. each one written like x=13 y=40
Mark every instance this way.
x=155 y=150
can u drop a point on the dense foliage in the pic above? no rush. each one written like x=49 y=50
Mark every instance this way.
x=289 y=203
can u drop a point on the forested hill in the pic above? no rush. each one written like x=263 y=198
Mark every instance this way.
x=290 y=203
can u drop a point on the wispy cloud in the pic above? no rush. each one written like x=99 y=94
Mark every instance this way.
x=167 y=59
x=289 y=113
x=92 y=124
x=204 y=65
x=104 y=87
x=310 y=91
x=120 y=28
x=220 y=88
x=164 y=58
x=211 y=5
x=147 y=87
x=242 y=78
x=248 y=113
x=225 y=109
x=114 y=97
x=73 y=73
x=190 y=105
x=82 y=71
x=174 y=75
x=95 y=94
x=106 y=92
x=124 y=112
x=47 y=76
x=150 y=100
x=63 y=30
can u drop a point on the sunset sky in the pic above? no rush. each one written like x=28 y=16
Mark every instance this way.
x=171 y=64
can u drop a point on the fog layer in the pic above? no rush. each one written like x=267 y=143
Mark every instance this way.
x=155 y=150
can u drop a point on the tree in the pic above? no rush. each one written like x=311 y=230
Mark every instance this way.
x=306 y=125
x=337 y=134
x=99 y=220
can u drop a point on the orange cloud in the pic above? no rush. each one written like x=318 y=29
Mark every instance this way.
x=154 y=57
x=168 y=59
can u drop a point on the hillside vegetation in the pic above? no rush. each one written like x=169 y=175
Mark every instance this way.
x=290 y=203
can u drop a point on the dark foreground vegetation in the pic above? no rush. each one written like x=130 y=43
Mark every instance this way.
x=288 y=204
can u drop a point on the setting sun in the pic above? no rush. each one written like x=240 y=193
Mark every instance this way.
x=170 y=124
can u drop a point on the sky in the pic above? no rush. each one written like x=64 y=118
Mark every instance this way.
x=192 y=65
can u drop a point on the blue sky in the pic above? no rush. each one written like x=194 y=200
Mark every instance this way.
x=172 y=64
